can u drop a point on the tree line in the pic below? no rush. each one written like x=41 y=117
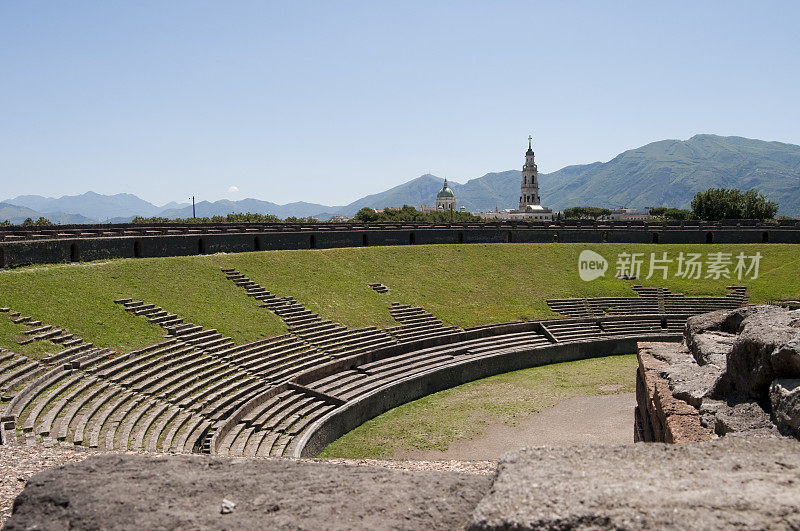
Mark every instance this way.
x=248 y=217
x=712 y=205
x=409 y=213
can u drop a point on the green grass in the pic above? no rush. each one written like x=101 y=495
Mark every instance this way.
x=464 y=285
x=464 y=412
x=10 y=332
x=468 y=285
x=80 y=298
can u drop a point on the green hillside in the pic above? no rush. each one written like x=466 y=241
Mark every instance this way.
x=670 y=172
x=665 y=173
x=464 y=285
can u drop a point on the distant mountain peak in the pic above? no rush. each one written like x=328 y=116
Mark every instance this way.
x=661 y=173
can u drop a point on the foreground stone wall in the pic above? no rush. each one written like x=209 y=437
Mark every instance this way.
x=737 y=371
x=732 y=482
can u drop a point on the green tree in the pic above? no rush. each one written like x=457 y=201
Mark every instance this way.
x=409 y=213
x=366 y=215
x=293 y=219
x=28 y=222
x=665 y=213
x=721 y=203
x=43 y=222
x=585 y=212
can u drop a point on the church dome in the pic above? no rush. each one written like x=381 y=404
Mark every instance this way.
x=445 y=191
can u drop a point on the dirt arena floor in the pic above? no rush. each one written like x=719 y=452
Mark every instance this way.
x=599 y=419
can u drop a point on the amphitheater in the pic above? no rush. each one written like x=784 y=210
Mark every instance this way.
x=199 y=392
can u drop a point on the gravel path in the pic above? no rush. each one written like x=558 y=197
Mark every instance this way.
x=18 y=463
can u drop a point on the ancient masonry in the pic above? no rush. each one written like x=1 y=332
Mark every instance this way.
x=737 y=371
x=41 y=245
x=198 y=392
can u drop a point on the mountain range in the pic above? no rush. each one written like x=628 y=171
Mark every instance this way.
x=664 y=173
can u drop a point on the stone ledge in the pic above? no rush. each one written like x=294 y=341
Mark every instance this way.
x=186 y=492
x=732 y=482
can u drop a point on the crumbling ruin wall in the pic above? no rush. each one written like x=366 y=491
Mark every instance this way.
x=659 y=416
x=737 y=371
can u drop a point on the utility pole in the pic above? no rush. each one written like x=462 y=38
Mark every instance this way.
x=193 y=214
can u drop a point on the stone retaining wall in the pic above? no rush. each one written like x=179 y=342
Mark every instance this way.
x=25 y=246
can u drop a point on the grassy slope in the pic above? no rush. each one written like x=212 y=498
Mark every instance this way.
x=80 y=298
x=464 y=412
x=477 y=284
x=462 y=284
x=9 y=332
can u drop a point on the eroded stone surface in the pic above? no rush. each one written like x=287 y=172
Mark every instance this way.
x=661 y=413
x=724 y=370
x=786 y=359
x=751 y=482
x=784 y=397
x=733 y=416
x=711 y=347
x=727 y=321
x=749 y=366
x=186 y=492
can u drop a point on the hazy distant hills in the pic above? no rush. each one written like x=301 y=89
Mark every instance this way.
x=664 y=173
x=500 y=189
x=17 y=214
x=90 y=205
x=222 y=207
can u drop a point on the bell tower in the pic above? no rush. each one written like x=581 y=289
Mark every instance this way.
x=530 y=180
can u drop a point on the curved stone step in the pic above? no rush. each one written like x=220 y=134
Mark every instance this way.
x=103 y=416
x=122 y=437
x=91 y=412
x=45 y=400
x=226 y=443
x=186 y=440
x=114 y=422
x=63 y=424
x=32 y=392
x=263 y=444
x=146 y=423
x=156 y=430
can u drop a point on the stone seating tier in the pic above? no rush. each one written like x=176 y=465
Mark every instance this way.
x=173 y=395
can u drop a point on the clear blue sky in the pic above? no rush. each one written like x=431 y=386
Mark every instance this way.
x=328 y=101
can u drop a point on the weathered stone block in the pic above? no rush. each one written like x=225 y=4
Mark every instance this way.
x=686 y=429
x=784 y=397
x=736 y=417
x=731 y=482
x=786 y=359
x=711 y=347
x=749 y=366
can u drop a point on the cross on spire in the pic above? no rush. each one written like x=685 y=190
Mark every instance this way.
x=529 y=141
